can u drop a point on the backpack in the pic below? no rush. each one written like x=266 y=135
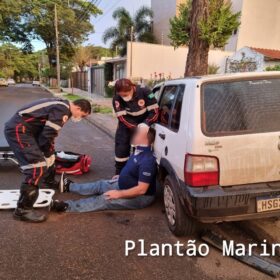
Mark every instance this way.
x=72 y=163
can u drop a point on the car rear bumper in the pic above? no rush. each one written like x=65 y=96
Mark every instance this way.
x=218 y=204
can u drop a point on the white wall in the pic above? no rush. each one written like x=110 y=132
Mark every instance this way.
x=232 y=42
x=260 y=24
x=150 y=58
x=246 y=56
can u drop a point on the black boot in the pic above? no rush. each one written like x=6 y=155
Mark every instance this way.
x=24 y=210
x=49 y=181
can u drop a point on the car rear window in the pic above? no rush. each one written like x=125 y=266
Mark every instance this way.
x=247 y=106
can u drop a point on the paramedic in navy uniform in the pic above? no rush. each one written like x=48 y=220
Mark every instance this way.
x=132 y=105
x=30 y=134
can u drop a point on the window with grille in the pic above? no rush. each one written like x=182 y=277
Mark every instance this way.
x=247 y=106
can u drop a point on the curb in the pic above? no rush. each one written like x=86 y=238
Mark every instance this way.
x=101 y=127
x=56 y=94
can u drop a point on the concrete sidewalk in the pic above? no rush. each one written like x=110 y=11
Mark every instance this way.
x=106 y=122
x=95 y=98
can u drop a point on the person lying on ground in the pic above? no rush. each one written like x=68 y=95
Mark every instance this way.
x=135 y=187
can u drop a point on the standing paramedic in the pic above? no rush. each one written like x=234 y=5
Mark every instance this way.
x=133 y=105
x=30 y=134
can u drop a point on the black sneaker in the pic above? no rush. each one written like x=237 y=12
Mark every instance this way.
x=64 y=184
x=30 y=215
x=59 y=206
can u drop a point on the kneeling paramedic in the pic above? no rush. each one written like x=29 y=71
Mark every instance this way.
x=30 y=134
x=134 y=189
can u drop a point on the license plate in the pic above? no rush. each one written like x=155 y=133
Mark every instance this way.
x=265 y=204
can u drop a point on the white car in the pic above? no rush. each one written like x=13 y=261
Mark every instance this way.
x=11 y=82
x=36 y=83
x=3 y=82
x=218 y=148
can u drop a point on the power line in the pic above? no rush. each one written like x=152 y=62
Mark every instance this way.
x=84 y=13
x=83 y=6
x=98 y=2
x=105 y=13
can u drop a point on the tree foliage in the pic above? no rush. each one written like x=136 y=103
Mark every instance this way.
x=202 y=24
x=83 y=55
x=215 y=29
x=273 y=68
x=22 y=21
x=220 y=23
x=12 y=29
x=179 y=26
x=73 y=24
x=120 y=34
x=16 y=63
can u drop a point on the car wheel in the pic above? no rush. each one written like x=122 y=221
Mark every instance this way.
x=179 y=223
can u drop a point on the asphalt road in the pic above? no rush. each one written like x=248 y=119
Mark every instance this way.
x=91 y=245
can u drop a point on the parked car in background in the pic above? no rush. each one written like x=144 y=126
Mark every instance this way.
x=3 y=82
x=36 y=83
x=218 y=148
x=11 y=82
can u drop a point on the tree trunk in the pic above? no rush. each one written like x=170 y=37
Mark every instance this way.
x=197 y=60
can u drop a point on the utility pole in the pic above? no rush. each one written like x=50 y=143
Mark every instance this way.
x=131 y=41
x=57 y=48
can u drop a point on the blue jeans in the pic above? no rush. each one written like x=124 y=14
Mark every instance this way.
x=97 y=200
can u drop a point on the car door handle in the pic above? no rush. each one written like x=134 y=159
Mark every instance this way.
x=162 y=136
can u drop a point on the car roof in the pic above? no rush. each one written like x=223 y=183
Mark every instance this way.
x=229 y=76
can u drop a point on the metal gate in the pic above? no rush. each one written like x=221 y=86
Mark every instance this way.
x=97 y=80
x=80 y=80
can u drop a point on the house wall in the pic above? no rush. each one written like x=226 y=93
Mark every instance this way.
x=260 y=25
x=232 y=42
x=148 y=59
x=245 y=60
x=163 y=10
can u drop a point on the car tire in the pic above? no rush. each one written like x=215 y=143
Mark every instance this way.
x=179 y=223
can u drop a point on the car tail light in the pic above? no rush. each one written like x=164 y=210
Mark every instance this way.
x=201 y=171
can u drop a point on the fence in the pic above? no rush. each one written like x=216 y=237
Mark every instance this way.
x=97 y=80
x=80 y=80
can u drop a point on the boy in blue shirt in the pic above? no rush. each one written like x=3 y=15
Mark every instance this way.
x=134 y=188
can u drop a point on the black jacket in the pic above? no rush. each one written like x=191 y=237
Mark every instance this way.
x=142 y=108
x=42 y=120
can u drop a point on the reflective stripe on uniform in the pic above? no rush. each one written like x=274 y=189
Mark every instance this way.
x=121 y=159
x=40 y=106
x=53 y=125
x=152 y=107
x=139 y=113
x=34 y=165
x=121 y=113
